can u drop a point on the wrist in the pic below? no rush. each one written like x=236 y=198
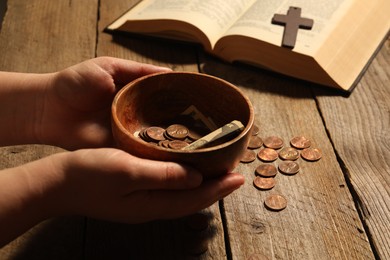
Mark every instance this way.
x=29 y=194
x=22 y=98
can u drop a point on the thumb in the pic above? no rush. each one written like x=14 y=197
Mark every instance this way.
x=149 y=174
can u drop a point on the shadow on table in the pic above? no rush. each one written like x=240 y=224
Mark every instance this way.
x=81 y=238
x=59 y=238
x=165 y=239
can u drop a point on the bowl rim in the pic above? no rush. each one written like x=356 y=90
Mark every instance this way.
x=118 y=95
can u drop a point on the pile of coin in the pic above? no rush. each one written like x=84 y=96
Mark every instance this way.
x=179 y=137
x=272 y=150
x=175 y=136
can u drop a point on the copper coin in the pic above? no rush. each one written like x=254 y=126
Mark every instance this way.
x=155 y=133
x=143 y=135
x=266 y=170
x=311 y=154
x=164 y=143
x=289 y=153
x=177 y=131
x=248 y=156
x=273 y=142
x=267 y=155
x=193 y=136
x=300 y=142
x=289 y=167
x=275 y=202
x=177 y=144
x=255 y=142
x=264 y=183
x=255 y=130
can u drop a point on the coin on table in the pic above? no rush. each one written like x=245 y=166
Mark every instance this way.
x=273 y=142
x=177 y=131
x=255 y=142
x=267 y=154
x=275 y=202
x=300 y=142
x=289 y=153
x=266 y=170
x=177 y=144
x=155 y=133
x=264 y=183
x=248 y=156
x=255 y=130
x=311 y=154
x=289 y=167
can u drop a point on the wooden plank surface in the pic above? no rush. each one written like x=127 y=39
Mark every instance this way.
x=320 y=221
x=359 y=129
x=45 y=36
x=338 y=207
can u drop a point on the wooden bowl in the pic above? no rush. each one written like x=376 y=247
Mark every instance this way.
x=155 y=99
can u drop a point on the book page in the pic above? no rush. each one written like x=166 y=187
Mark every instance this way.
x=213 y=17
x=256 y=22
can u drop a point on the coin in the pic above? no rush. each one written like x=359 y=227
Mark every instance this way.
x=193 y=136
x=266 y=170
x=289 y=153
x=248 y=156
x=255 y=130
x=164 y=143
x=264 y=183
x=143 y=136
x=311 y=154
x=289 y=167
x=255 y=142
x=267 y=155
x=177 y=131
x=300 y=142
x=177 y=144
x=154 y=133
x=275 y=202
x=273 y=142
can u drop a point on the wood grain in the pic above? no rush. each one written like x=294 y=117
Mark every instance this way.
x=320 y=221
x=359 y=128
x=45 y=36
x=338 y=207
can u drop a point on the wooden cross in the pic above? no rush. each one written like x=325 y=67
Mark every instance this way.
x=292 y=22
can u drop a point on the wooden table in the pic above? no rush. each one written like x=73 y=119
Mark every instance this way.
x=338 y=207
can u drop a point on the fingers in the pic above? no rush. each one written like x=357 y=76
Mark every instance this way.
x=174 y=204
x=123 y=71
x=152 y=175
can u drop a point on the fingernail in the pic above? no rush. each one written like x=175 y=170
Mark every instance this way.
x=162 y=68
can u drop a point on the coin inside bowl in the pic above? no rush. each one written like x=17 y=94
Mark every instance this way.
x=168 y=98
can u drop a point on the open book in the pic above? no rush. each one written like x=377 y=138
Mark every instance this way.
x=344 y=37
